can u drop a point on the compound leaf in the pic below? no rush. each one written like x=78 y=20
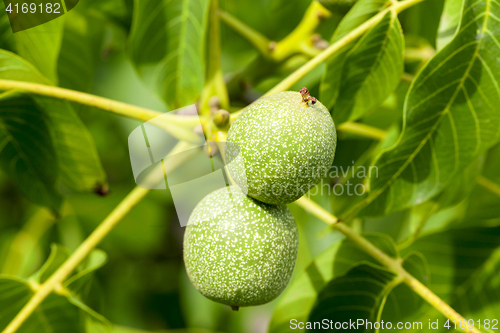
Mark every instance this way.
x=451 y=117
x=464 y=271
x=79 y=164
x=167 y=47
x=40 y=46
x=332 y=268
x=360 y=79
x=56 y=314
x=449 y=22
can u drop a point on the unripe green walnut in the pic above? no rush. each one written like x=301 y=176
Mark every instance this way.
x=281 y=146
x=239 y=251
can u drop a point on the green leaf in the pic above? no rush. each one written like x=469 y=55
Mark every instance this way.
x=16 y=68
x=79 y=164
x=338 y=6
x=58 y=255
x=27 y=153
x=167 y=48
x=422 y=20
x=464 y=271
x=402 y=302
x=299 y=298
x=450 y=119
x=40 y=46
x=7 y=40
x=455 y=255
x=358 y=294
x=274 y=19
x=360 y=79
x=119 y=11
x=478 y=296
x=56 y=314
x=449 y=22
x=483 y=203
x=362 y=11
x=80 y=282
x=80 y=48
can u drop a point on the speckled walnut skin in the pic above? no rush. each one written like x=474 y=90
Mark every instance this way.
x=286 y=146
x=239 y=251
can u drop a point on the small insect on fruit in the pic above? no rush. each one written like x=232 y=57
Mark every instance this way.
x=281 y=146
x=239 y=251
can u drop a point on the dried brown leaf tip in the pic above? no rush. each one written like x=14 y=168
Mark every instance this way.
x=306 y=97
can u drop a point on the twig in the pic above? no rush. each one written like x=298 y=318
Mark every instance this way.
x=489 y=185
x=362 y=130
x=388 y=262
x=259 y=41
x=54 y=282
x=334 y=48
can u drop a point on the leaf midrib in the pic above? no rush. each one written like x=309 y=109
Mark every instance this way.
x=370 y=199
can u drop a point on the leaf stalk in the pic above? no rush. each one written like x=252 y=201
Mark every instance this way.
x=54 y=282
x=388 y=262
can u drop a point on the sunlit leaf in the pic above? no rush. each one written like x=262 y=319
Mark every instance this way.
x=7 y=40
x=40 y=46
x=167 y=47
x=361 y=78
x=451 y=117
x=449 y=22
x=80 y=47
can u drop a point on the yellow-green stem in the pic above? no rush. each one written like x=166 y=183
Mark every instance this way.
x=260 y=42
x=215 y=84
x=119 y=108
x=178 y=126
x=388 y=262
x=489 y=185
x=293 y=78
x=340 y=44
x=298 y=40
x=54 y=283
x=362 y=130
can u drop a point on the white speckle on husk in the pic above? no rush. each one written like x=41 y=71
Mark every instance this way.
x=286 y=147
x=239 y=251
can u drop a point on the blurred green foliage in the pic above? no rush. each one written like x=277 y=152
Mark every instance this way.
x=143 y=287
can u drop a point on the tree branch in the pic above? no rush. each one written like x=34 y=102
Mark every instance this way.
x=293 y=78
x=489 y=185
x=178 y=126
x=54 y=282
x=384 y=259
x=362 y=130
x=259 y=41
